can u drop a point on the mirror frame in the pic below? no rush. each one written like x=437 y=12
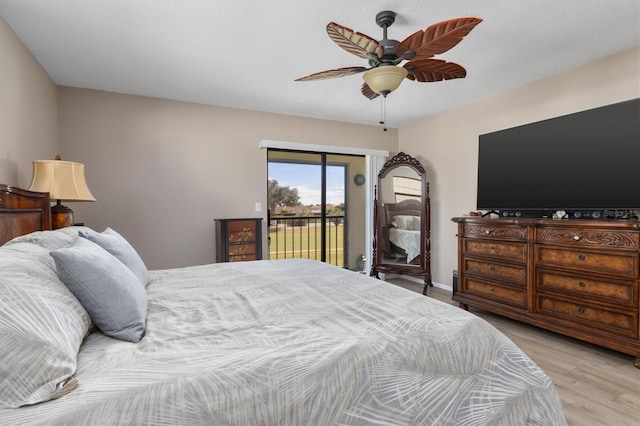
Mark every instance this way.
x=379 y=265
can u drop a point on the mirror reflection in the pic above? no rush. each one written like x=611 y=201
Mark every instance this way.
x=400 y=201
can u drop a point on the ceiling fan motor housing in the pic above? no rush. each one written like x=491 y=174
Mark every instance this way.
x=384 y=20
x=389 y=52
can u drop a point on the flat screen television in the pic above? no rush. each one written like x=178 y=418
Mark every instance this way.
x=587 y=161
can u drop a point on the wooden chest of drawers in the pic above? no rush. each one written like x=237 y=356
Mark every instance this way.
x=494 y=265
x=576 y=277
x=238 y=239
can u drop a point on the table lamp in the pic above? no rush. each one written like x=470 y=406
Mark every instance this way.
x=64 y=181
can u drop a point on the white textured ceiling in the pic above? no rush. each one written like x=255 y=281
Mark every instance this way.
x=247 y=53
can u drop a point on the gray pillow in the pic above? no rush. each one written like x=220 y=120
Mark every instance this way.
x=118 y=246
x=113 y=296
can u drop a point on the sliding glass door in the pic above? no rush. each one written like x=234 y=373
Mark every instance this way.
x=311 y=206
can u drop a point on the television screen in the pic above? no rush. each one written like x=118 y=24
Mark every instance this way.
x=588 y=160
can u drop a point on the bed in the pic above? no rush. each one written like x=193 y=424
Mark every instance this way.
x=284 y=342
x=402 y=231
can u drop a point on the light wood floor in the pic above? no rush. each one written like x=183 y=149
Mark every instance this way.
x=597 y=386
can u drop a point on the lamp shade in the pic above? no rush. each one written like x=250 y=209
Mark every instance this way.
x=385 y=78
x=63 y=180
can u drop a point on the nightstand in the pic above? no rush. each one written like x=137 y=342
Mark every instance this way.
x=238 y=239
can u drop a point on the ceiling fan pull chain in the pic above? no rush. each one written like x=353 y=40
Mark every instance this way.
x=383 y=112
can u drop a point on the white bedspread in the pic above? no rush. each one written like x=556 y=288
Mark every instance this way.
x=297 y=342
x=406 y=239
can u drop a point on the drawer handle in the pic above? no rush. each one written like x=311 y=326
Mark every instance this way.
x=581 y=310
x=492 y=268
x=581 y=284
x=581 y=257
x=576 y=238
x=487 y=232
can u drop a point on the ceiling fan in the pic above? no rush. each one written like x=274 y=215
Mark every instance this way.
x=384 y=73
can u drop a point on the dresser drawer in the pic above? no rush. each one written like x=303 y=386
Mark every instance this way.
x=619 y=262
x=242 y=252
x=624 y=323
x=499 y=293
x=494 y=231
x=242 y=236
x=241 y=225
x=514 y=273
x=588 y=237
x=512 y=251
x=616 y=292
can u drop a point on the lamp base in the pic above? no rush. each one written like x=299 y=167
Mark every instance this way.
x=61 y=216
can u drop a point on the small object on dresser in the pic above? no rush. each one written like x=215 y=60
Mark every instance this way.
x=560 y=214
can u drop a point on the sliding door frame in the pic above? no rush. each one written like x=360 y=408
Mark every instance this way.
x=374 y=160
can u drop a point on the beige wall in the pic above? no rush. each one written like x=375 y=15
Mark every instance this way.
x=163 y=170
x=28 y=115
x=447 y=145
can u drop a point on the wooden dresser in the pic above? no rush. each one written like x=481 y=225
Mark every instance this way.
x=238 y=239
x=575 y=277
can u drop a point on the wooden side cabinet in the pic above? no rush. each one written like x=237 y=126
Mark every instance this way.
x=580 y=278
x=238 y=239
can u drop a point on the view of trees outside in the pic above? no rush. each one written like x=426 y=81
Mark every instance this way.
x=296 y=188
x=281 y=196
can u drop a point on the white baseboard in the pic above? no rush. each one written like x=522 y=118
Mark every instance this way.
x=420 y=281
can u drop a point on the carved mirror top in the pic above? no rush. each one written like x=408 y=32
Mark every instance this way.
x=401 y=159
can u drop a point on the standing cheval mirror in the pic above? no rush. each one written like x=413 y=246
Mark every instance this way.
x=401 y=220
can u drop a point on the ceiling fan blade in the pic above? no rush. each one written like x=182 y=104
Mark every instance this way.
x=367 y=92
x=339 y=72
x=430 y=70
x=357 y=43
x=438 y=38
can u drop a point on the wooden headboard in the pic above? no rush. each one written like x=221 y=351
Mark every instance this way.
x=22 y=212
x=408 y=207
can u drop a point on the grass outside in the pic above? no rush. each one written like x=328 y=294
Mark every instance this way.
x=304 y=242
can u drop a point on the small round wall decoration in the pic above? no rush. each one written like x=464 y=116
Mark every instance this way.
x=359 y=179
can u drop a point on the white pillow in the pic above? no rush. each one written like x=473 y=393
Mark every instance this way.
x=404 y=222
x=416 y=223
x=51 y=240
x=42 y=326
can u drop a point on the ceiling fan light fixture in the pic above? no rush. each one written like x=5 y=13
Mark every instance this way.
x=385 y=78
